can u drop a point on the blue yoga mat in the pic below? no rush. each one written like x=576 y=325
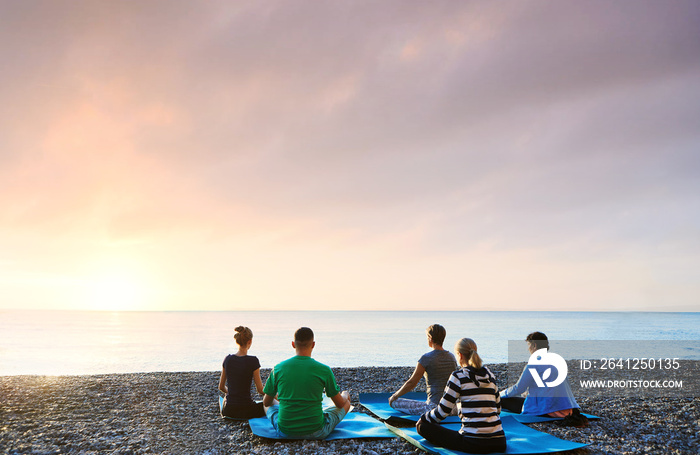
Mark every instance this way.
x=354 y=425
x=529 y=418
x=378 y=404
x=520 y=439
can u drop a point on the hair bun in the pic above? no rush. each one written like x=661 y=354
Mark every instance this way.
x=243 y=335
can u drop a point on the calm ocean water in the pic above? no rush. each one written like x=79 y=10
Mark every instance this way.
x=84 y=342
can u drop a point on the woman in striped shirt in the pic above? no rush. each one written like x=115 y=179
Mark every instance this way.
x=474 y=387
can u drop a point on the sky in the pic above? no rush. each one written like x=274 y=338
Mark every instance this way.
x=394 y=155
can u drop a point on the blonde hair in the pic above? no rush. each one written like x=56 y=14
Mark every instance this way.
x=467 y=347
x=243 y=335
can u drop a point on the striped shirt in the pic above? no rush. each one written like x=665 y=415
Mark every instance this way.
x=477 y=393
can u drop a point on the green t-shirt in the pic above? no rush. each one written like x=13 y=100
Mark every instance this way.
x=299 y=383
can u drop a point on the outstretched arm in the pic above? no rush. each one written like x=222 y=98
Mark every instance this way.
x=410 y=384
x=520 y=387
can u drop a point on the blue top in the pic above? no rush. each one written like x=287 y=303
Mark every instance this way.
x=541 y=400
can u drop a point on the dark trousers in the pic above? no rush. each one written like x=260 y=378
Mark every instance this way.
x=243 y=411
x=513 y=404
x=454 y=440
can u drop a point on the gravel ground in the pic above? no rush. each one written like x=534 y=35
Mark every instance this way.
x=178 y=413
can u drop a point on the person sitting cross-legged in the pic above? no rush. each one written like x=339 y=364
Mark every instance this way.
x=298 y=383
x=436 y=366
x=474 y=388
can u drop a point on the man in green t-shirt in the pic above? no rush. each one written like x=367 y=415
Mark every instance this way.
x=298 y=383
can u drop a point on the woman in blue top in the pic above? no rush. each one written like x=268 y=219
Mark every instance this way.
x=239 y=371
x=555 y=401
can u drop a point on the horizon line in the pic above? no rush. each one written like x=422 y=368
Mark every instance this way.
x=346 y=311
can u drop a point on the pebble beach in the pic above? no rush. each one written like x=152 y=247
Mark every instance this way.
x=169 y=413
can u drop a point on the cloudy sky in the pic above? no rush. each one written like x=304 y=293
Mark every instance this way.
x=343 y=155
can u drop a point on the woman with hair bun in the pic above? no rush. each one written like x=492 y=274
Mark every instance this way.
x=239 y=371
x=474 y=387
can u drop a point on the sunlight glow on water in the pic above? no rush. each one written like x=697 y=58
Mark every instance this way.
x=83 y=342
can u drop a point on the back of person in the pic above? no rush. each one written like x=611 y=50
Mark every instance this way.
x=238 y=372
x=479 y=402
x=555 y=401
x=547 y=400
x=438 y=364
x=239 y=376
x=474 y=388
x=300 y=383
x=435 y=366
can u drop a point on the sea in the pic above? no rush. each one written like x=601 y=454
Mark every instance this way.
x=34 y=342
